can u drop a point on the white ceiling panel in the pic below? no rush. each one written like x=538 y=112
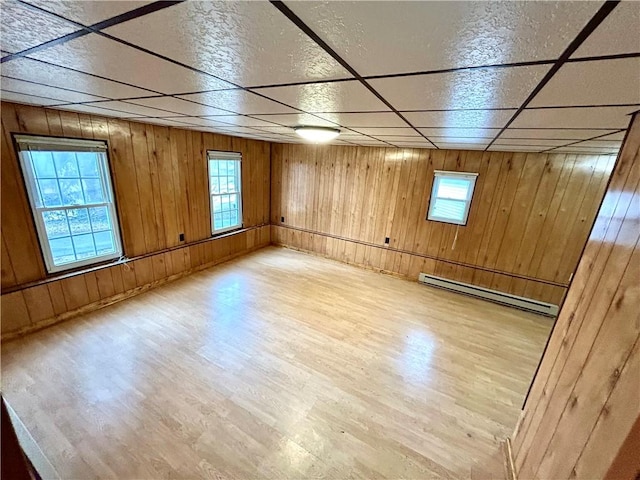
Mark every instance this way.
x=238 y=101
x=88 y=12
x=613 y=136
x=180 y=106
x=459 y=119
x=248 y=43
x=462 y=146
x=514 y=148
x=8 y=96
x=379 y=38
x=601 y=143
x=481 y=88
x=24 y=27
x=28 y=88
x=204 y=122
x=558 y=133
x=241 y=120
x=377 y=131
x=532 y=142
x=615 y=34
x=278 y=130
x=579 y=149
x=294 y=119
x=589 y=83
x=27 y=69
x=372 y=119
x=603 y=117
x=460 y=132
x=134 y=109
x=98 y=111
x=167 y=122
x=459 y=140
x=349 y=96
x=98 y=55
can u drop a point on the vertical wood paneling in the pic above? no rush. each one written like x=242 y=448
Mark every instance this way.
x=584 y=399
x=529 y=217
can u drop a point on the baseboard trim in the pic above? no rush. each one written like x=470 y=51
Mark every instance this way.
x=91 y=307
x=511 y=468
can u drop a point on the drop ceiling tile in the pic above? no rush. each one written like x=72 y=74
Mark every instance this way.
x=615 y=33
x=515 y=148
x=481 y=88
x=167 y=122
x=462 y=146
x=55 y=76
x=460 y=132
x=462 y=119
x=532 y=142
x=180 y=106
x=94 y=109
x=238 y=101
x=294 y=119
x=370 y=119
x=277 y=130
x=550 y=133
x=594 y=150
x=241 y=120
x=460 y=140
x=401 y=138
x=98 y=55
x=8 y=96
x=90 y=12
x=24 y=27
x=205 y=122
x=27 y=88
x=437 y=35
x=134 y=109
x=601 y=82
x=348 y=96
x=412 y=144
x=248 y=43
x=383 y=132
x=602 y=117
x=613 y=136
x=601 y=143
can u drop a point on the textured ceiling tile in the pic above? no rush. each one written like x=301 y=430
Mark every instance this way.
x=401 y=36
x=96 y=110
x=460 y=119
x=294 y=119
x=604 y=117
x=532 y=142
x=616 y=34
x=241 y=120
x=24 y=27
x=99 y=55
x=135 y=109
x=238 y=101
x=27 y=69
x=482 y=88
x=27 y=88
x=601 y=143
x=88 y=12
x=248 y=43
x=547 y=133
x=349 y=96
x=588 y=83
x=377 y=131
x=180 y=106
x=373 y=119
x=8 y=96
x=515 y=148
x=460 y=132
x=462 y=146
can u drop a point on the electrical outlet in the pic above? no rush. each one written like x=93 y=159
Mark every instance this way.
x=182 y=237
x=281 y=219
x=386 y=240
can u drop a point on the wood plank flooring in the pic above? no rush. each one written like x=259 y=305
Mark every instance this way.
x=277 y=365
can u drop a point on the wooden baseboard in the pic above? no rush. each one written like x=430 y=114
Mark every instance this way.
x=119 y=297
x=510 y=466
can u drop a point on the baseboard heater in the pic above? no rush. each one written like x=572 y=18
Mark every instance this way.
x=491 y=295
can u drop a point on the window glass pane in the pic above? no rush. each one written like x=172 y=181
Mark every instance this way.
x=79 y=221
x=55 y=222
x=84 y=246
x=92 y=190
x=224 y=199
x=104 y=242
x=217 y=220
x=226 y=219
x=222 y=167
x=43 y=164
x=62 y=250
x=234 y=218
x=233 y=202
x=456 y=188
x=66 y=165
x=449 y=209
x=71 y=191
x=213 y=167
x=217 y=205
x=88 y=164
x=50 y=193
x=99 y=217
x=231 y=166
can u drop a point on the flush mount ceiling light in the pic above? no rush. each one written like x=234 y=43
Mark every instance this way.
x=317 y=134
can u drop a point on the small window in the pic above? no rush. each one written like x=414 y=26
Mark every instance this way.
x=70 y=193
x=225 y=191
x=451 y=197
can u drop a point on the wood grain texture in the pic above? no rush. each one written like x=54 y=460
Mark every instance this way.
x=159 y=179
x=585 y=397
x=278 y=365
x=529 y=219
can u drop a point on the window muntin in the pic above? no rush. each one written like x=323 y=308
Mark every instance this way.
x=70 y=193
x=225 y=190
x=451 y=197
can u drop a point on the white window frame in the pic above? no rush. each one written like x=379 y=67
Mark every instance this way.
x=27 y=143
x=440 y=174
x=232 y=156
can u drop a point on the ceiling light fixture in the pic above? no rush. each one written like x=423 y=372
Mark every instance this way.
x=317 y=134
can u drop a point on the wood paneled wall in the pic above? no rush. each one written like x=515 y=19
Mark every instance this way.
x=586 y=396
x=529 y=219
x=160 y=183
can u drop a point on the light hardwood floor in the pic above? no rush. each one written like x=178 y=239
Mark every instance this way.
x=277 y=365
